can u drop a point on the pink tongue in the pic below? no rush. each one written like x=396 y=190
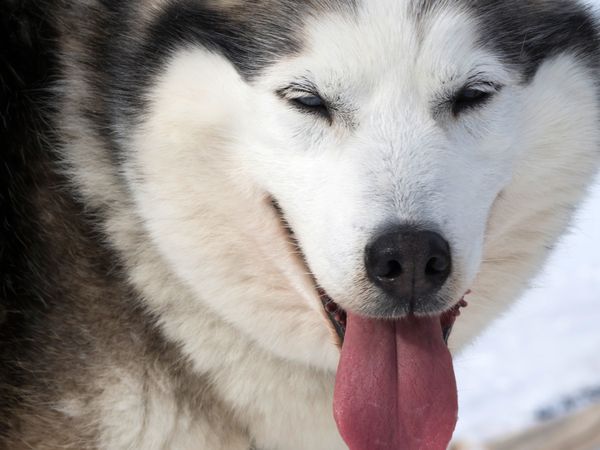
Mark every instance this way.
x=395 y=387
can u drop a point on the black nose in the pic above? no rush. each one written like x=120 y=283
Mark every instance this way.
x=408 y=263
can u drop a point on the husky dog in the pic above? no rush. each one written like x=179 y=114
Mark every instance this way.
x=205 y=202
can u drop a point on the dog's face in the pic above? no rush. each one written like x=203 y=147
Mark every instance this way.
x=398 y=145
x=412 y=131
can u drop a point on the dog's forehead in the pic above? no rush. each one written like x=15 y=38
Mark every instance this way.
x=385 y=52
x=390 y=39
x=521 y=34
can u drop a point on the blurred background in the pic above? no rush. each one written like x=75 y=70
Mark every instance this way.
x=532 y=381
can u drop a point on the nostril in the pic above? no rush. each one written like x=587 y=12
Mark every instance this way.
x=437 y=265
x=394 y=270
x=408 y=263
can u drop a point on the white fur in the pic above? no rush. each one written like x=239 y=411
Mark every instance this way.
x=218 y=269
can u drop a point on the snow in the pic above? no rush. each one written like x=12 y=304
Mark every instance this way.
x=543 y=358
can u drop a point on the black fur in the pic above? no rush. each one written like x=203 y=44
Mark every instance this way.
x=526 y=33
x=26 y=64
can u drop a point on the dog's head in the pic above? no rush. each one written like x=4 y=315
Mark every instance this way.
x=393 y=154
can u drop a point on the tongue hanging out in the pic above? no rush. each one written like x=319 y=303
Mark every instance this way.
x=395 y=386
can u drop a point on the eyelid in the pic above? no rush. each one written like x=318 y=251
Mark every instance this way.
x=447 y=97
x=292 y=93
x=484 y=86
x=308 y=99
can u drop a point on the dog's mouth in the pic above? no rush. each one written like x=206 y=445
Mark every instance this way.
x=336 y=315
x=395 y=383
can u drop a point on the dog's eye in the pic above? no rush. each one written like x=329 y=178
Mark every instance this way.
x=303 y=95
x=469 y=98
x=312 y=103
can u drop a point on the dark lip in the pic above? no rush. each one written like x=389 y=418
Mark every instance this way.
x=337 y=316
x=448 y=317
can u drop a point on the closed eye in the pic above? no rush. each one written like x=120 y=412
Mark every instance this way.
x=311 y=103
x=473 y=97
x=303 y=96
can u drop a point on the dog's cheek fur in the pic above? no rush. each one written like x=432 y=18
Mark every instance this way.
x=191 y=188
x=558 y=144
